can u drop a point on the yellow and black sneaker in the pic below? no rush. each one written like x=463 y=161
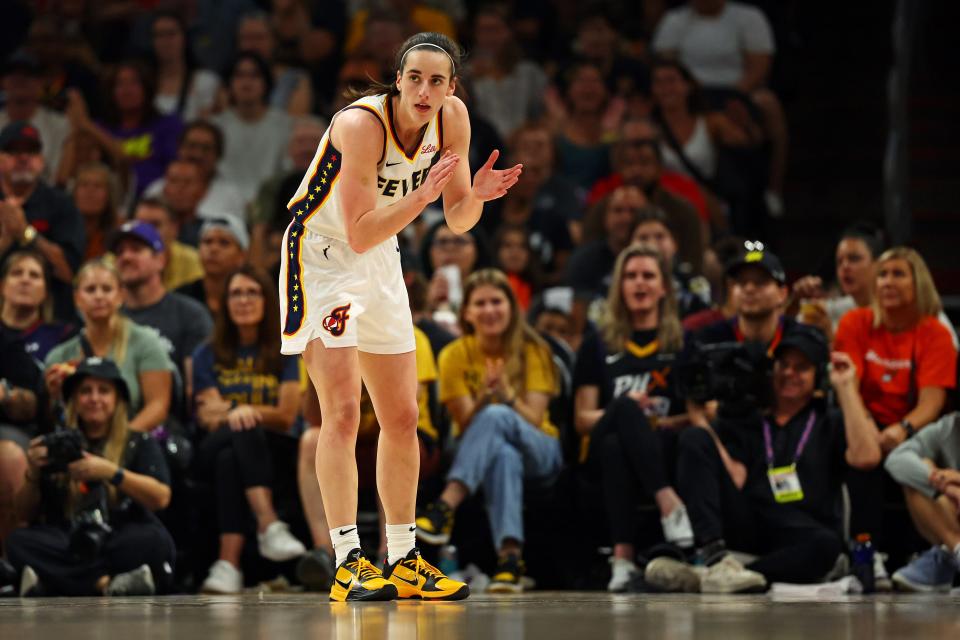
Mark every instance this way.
x=435 y=523
x=358 y=580
x=509 y=575
x=416 y=578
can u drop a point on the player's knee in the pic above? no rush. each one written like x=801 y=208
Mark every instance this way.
x=342 y=417
x=402 y=421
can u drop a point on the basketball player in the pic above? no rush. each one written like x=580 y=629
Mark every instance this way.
x=344 y=305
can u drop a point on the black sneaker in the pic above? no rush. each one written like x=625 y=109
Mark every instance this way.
x=357 y=579
x=138 y=582
x=315 y=570
x=435 y=523
x=509 y=575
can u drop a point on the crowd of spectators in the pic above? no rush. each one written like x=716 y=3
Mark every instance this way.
x=613 y=349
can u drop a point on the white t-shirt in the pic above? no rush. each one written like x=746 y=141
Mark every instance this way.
x=254 y=151
x=712 y=47
x=511 y=100
x=202 y=95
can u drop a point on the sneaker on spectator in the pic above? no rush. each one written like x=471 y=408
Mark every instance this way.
x=278 y=544
x=30 y=586
x=729 y=576
x=673 y=576
x=224 y=578
x=435 y=523
x=931 y=572
x=315 y=570
x=881 y=579
x=622 y=571
x=677 y=528
x=509 y=575
x=138 y=582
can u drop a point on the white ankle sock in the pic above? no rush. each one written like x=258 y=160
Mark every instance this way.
x=345 y=539
x=400 y=539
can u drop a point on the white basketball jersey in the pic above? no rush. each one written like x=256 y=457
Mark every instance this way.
x=316 y=203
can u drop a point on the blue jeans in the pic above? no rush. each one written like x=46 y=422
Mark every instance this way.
x=497 y=452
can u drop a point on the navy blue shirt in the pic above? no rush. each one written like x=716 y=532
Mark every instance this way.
x=241 y=382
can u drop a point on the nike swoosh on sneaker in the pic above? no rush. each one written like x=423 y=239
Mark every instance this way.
x=345 y=585
x=345 y=532
x=410 y=582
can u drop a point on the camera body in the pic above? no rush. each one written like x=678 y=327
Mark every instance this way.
x=736 y=374
x=89 y=528
x=63 y=447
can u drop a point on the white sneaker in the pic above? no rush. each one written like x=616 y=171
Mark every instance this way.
x=881 y=579
x=621 y=572
x=677 y=528
x=138 y=582
x=673 y=576
x=223 y=578
x=729 y=576
x=278 y=544
x=29 y=582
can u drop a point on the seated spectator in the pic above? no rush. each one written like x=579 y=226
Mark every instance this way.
x=244 y=387
x=728 y=46
x=309 y=36
x=514 y=255
x=201 y=143
x=928 y=467
x=292 y=91
x=770 y=483
x=255 y=134
x=581 y=124
x=496 y=381
x=96 y=194
x=181 y=324
x=106 y=333
x=439 y=336
x=315 y=569
x=543 y=203
x=694 y=138
x=627 y=400
x=442 y=250
x=23 y=88
x=507 y=88
x=692 y=290
x=133 y=132
x=598 y=40
x=33 y=214
x=67 y=61
x=122 y=475
x=419 y=16
x=268 y=215
x=183 y=89
x=555 y=323
x=26 y=307
x=223 y=249
x=181 y=261
x=607 y=232
x=906 y=363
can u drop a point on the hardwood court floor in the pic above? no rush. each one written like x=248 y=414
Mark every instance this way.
x=553 y=616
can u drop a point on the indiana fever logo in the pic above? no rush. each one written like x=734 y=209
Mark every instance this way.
x=336 y=322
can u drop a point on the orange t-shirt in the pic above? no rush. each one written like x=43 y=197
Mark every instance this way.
x=887 y=361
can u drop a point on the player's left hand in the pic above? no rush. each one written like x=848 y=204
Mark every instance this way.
x=490 y=184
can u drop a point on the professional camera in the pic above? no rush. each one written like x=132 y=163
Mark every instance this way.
x=89 y=528
x=63 y=447
x=735 y=374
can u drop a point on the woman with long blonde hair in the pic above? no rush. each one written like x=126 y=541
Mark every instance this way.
x=120 y=475
x=626 y=401
x=496 y=381
x=142 y=358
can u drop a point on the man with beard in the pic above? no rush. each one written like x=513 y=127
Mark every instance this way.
x=33 y=214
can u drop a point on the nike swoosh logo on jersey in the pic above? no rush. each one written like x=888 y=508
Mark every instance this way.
x=614 y=358
x=392 y=164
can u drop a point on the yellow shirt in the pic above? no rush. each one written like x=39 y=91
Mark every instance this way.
x=463 y=367
x=426 y=375
x=425 y=19
x=183 y=266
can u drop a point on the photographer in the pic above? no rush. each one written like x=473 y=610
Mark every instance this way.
x=89 y=492
x=769 y=483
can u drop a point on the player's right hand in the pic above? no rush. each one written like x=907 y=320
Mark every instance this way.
x=440 y=174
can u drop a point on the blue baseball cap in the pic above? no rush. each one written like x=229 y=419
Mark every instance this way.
x=138 y=230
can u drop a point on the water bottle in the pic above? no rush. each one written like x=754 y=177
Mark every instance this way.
x=862 y=557
x=447 y=560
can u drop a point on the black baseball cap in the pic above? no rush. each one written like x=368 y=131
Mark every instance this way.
x=103 y=368
x=22 y=135
x=808 y=340
x=758 y=256
x=22 y=61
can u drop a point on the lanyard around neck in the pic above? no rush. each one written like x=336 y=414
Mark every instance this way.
x=768 y=439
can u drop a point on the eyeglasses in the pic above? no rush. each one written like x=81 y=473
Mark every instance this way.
x=451 y=243
x=245 y=294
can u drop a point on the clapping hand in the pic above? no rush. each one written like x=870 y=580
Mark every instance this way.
x=489 y=183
